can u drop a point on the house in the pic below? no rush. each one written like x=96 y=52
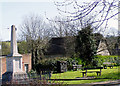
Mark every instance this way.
x=61 y=47
x=26 y=62
x=102 y=48
x=56 y=47
x=65 y=46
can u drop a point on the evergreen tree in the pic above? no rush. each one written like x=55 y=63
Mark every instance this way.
x=5 y=48
x=85 y=45
x=23 y=47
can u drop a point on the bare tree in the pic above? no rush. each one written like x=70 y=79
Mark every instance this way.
x=35 y=31
x=60 y=28
x=99 y=10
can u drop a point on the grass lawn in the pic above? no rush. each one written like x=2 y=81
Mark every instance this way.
x=107 y=74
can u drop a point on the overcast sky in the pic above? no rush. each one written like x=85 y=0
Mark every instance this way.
x=12 y=12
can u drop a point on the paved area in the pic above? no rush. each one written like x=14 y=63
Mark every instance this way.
x=107 y=83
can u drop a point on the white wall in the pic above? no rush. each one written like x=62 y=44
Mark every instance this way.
x=14 y=64
x=17 y=64
x=102 y=49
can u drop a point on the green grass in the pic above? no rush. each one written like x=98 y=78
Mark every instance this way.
x=107 y=74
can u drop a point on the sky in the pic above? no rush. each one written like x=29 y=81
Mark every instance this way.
x=13 y=12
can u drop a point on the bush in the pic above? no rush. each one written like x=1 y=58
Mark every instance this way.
x=51 y=63
x=99 y=60
x=34 y=82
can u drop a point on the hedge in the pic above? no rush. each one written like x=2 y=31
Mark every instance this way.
x=51 y=63
x=99 y=60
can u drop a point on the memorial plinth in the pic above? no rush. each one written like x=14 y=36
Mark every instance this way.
x=14 y=60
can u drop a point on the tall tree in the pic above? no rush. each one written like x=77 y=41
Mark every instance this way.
x=60 y=28
x=99 y=10
x=35 y=32
x=85 y=45
x=5 y=49
x=23 y=47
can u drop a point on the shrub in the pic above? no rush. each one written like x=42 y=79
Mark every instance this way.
x=51 y=63
x=33 y=82
x=99 y=60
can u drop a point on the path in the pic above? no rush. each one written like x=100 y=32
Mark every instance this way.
x=106 y=83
